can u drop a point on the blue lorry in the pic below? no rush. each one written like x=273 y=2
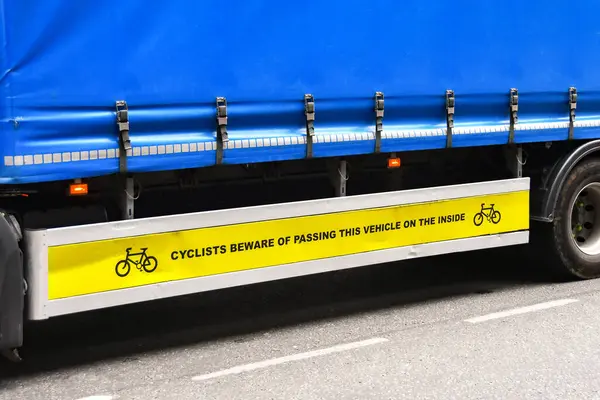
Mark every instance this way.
x=151 y=150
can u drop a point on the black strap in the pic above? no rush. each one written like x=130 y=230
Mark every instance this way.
x=309 y=112
x=124 y=140
x=449 y=117
x=572 y=108
x=514 y=117
x=379 y=104
x=222 y=135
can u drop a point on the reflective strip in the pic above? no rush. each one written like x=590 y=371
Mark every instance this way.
x=175 y=148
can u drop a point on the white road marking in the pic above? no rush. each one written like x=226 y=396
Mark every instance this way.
x=97 y=398
x=294 y=357
x=521 y=310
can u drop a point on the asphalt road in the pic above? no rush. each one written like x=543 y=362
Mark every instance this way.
x=484 y=325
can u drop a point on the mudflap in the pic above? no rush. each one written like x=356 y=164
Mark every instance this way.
x=12 y=296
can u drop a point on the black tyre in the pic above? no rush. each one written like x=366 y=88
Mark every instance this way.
x=572 y=241
x=122 y=268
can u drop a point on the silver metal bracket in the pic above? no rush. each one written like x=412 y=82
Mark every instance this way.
x=338 y=175
x=515 y=160
x=128 y=199
x=379 y=104
x=342 y=178
x=572 y=108
x=124 y=139
x=222 y=135
x=309 y=112
x=514 y=117
x=450 y=103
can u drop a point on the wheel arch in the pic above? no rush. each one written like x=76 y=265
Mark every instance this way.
x=12 y=283
x=555 y=180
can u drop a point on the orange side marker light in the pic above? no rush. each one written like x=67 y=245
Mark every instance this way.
x=78 y=189
x=393 y=162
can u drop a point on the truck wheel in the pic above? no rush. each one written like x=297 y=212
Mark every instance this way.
x=575 y=230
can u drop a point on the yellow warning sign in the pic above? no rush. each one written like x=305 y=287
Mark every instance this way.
x=93 y=267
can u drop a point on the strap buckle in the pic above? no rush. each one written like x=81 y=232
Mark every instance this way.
x=124 y=139
x=379 y=106
x=309 y=112
x=222 y=135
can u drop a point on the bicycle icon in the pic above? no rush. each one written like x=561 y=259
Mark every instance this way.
x=491 y=214
x=143 y=261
